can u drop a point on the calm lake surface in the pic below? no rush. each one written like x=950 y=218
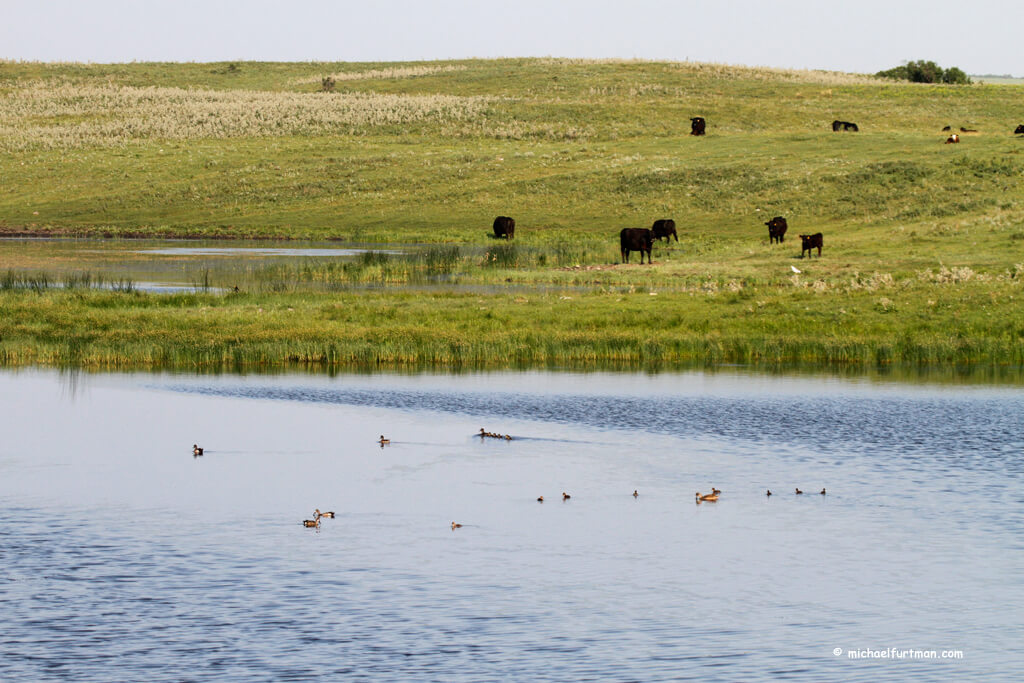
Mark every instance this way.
x=167 y=265
x=125 y=558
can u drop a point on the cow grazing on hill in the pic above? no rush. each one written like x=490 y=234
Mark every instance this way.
x=844 y=125
x=967 y=130
x=636 y=239
x=952 y=139
x=946 y=129
x=777 y=229
x=697 y=125
x=809 y=242
x=664 y=227
x=504 y=227
x=1019 y=130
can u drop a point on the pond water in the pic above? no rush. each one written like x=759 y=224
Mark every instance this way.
x=126 y=558
x=165 y=265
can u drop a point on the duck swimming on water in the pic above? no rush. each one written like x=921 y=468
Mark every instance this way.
x=706 y=498
x=456 y=525
x=798 y=492
x=196 y=450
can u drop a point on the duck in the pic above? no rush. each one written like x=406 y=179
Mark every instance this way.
x=540 y=499
x=311 y=523
x=822 y=491
x=769 y=492
x=708 y=497
x=483 y=432
x=318 y=514
x=456 y=525
x=196 y=450
x=508 y=437
x=798 y=492
x=635 y=494
x=715 y=491
x=382 y=441
x=565 y=496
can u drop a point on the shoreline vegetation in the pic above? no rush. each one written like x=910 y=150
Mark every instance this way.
x=922 y=265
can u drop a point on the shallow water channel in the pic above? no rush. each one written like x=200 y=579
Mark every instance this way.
x=167 y=265
x=124 y=557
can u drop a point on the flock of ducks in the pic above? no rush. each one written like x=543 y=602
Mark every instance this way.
x=565 y=497
x=484 y=434
x=317 y=515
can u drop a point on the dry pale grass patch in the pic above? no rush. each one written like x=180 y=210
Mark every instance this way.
x=735 y=71
x=378 y=74
x=58 y=114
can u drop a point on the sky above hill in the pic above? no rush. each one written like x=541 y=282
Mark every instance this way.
x=845 y=35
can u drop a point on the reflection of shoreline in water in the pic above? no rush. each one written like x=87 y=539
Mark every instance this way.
x=260 y=251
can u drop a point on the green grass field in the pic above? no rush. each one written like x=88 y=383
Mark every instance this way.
x=924 y=242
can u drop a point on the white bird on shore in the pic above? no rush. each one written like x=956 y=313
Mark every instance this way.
x=795 y=269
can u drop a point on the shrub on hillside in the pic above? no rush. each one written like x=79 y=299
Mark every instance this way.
x=922 y=71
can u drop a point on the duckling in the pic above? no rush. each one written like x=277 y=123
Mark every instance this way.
x=540 y=499
x=769 y=492
x=823 y=491
x=318 y=514
x=715 y=491
x=456 y=525
x=508 y=437
x=565 y=496
x=311 y=523
x=196 y=450
x=708 y=497
x=382 y=441
x=635 y=494
x=798 y=492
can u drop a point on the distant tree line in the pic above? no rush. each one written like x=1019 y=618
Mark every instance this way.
x=922 y=71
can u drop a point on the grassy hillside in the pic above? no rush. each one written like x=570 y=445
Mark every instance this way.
x=923 y=240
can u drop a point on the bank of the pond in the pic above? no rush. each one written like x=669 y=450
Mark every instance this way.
x=974 y=323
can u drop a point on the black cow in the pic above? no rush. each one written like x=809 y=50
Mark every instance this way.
x=844 y=125
x=946 y=129
x=504 y=227
x=967 y=130
x=636 y=239
x=1019 y=130
x=809 y=242
x=697 y=125
x=777 y=229
x=664 y=227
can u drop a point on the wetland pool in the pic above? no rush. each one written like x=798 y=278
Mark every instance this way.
x=168 y=265
x=127 y=558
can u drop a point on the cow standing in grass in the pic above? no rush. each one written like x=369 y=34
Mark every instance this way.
x=664 y=227
x=504 y=227
x=838 y=126
x=777 y=229
x=697 y=125
x=1019 y=130
x=809 y=242
x=636 y=239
